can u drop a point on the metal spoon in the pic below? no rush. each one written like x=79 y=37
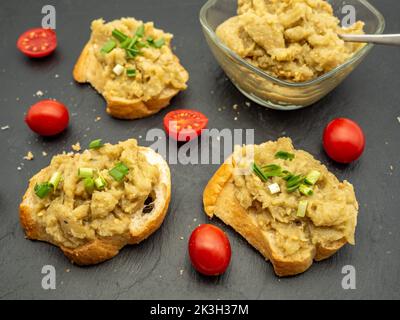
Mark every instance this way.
x=387 y=39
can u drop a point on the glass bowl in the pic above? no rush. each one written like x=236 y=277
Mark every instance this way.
x=270 y=91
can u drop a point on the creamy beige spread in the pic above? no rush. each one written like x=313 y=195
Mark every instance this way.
x=71 y=216
x=295 y=40
x=331 y=212
x=157 y=69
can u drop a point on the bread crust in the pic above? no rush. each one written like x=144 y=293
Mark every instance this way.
x=219 y=200
x=121 y=108
x=102 y=249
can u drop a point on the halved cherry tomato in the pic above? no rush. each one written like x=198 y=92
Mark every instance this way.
x=184 y=125
x=343 y=140
x=37 y=43
x=209 y=250
x=47 y=117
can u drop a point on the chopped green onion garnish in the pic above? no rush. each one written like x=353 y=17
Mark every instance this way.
x=284 y=155
x=85 y=172
x=95 y=144
x=306 y=190
x=131 y=73
x=119 y=172
x=312 y=177
x=140 y=31
x=55 y=180
x=125 y=43
x=89 y=184
x=133 y=42
x=42 y=189
x=100 y=183
x=302 y=208
x=159 y=43
x=272 y=170
x=256 y=169
x=294 y=182
x=109 y=46
x=119 y=35
x=141 y=44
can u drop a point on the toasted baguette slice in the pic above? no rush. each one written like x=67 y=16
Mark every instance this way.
x=103 y=248
x=220 y=199
x=89 y=69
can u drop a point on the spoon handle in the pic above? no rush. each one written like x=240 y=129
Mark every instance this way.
x=388 y=39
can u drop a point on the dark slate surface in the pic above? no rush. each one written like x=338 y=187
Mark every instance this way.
x=153 y=269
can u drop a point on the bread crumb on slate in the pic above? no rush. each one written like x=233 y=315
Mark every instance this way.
x=29 y=156
x=76 y=147
x=398 y=119
x=181 y=238
x=219 y=109
x=39 y=93
x=67 y=270
x=235 y=106
x=195 y=219
x=248 y=104
x=181 y=272
x=235 y=118
x=44 y=153
x=5 y=127
x=391 y=168
x=17 y=98
x=19 y=168
x=97 y=119
x=56 y=76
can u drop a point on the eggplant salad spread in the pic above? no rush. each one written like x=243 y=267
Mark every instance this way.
x=295 y=197
x=93 y=194
x=294 y=40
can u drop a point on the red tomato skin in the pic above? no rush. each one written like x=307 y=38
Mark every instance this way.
x=209 y=250
x=343 y=140
x=41 y=53
x=184 y=135
x=47 y=117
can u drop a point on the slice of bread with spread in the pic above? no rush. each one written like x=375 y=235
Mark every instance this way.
x=94 y=203
x=284 y=203
x=132 y=65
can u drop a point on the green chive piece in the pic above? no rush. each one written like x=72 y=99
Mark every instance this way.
x=108 y=46
x=120 y=36
x=141 y=44
x=100 y=183
x=284 y=155
x=302 y=208
x=42 y=189
x=294 y=181
x=140 y=31
x=255 y=168
x=272 y=170
x=119 y=172
x=306 y=190
x=312 y=177
x=131 y=73
x=133 y=42
x=85 y=172
x=55 y=180
x=159 y=43
x=125 y=43
x=95 y=144
x=89 y=184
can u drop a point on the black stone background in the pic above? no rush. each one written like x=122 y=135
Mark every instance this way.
x=153 y=269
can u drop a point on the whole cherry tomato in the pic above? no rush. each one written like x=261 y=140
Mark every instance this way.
x=209 y=250
x=47 y=117
x=343 y=140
